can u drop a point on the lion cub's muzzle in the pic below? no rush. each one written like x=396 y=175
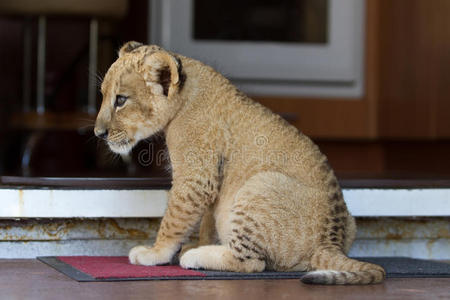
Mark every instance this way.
x=101 y=133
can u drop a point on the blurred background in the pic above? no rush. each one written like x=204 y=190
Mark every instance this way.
x=367 y=80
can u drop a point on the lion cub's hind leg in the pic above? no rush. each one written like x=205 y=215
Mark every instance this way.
x=240 y=254
x=220 y=257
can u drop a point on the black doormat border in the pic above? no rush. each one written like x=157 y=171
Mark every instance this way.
x=396 y=267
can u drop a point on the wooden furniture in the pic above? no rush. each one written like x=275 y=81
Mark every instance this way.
x=402 y=122
x=39 y=119
x=42 y=9
x=406 y=79
x=414 y=56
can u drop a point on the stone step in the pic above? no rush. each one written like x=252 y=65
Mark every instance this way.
x=427 y=238
x=108 y=216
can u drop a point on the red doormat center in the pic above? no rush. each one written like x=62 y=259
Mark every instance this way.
x=101 y=267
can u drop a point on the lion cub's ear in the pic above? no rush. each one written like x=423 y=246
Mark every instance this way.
x=128 y=47
x=162 y=73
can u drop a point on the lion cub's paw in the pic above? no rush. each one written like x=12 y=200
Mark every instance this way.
x=147 y=256
x=191 y=259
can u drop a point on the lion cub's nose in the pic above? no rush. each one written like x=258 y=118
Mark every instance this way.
x=101 y=133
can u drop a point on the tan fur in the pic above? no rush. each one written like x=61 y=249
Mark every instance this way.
x=273 y=200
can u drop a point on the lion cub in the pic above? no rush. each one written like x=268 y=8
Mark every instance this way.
x=265 y=195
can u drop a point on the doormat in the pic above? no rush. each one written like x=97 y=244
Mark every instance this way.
x=117 y=268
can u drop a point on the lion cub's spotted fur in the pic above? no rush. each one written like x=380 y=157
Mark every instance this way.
x=265 y=194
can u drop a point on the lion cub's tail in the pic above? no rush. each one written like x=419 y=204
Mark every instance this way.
x=334 y=267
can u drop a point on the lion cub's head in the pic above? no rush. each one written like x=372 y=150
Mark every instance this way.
x=140 y=95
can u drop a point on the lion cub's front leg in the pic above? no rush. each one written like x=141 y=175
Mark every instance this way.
x=189 y=199
x=182 y=214
x=207 y=233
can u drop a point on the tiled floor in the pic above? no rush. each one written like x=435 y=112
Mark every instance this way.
x=31 y=279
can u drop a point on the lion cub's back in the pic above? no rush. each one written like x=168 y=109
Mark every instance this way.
x=261 y=140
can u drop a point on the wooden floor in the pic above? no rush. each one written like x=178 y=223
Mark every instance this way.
x=31 y=279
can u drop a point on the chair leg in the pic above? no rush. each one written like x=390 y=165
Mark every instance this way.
x=93 y=52
x=32 y=141
x=40 y=84
x=27 y=52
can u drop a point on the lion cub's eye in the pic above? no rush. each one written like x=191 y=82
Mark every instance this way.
x=120 y=100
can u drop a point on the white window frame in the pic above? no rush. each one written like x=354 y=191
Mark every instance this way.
x=270 y=68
